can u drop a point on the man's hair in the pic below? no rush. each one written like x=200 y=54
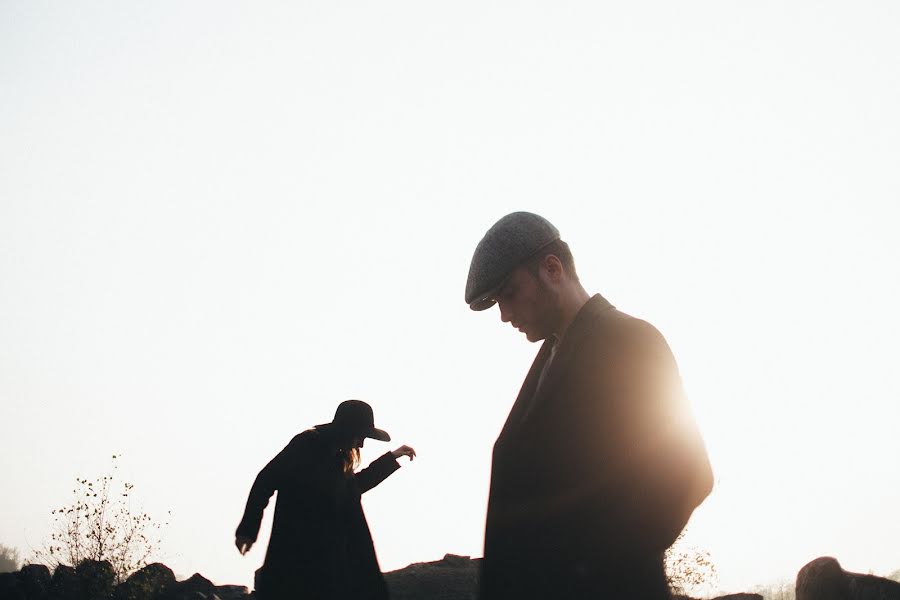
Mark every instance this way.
x=560 y=250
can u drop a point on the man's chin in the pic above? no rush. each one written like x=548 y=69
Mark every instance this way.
x=533 y=337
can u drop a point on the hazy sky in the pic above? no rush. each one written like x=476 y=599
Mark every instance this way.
x=218 y=220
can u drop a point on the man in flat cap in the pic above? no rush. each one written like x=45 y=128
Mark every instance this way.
x=599 y=465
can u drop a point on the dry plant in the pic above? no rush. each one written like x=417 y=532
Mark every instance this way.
x=101 y=525
x=689 y=568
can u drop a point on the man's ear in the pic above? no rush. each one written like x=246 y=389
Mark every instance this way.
x=554 y=268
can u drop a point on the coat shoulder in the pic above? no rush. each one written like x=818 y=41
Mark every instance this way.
x=309 y=436
x=307 y=441
x=633 y=324
x=615 y=335
x=624 y=327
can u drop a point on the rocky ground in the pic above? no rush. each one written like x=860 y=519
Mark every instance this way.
x=451 y=578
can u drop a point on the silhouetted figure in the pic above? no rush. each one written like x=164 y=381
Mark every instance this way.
x=599 y=465
x=320 y=547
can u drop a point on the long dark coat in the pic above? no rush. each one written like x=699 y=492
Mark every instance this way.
x=596 y=472
x=320 y=547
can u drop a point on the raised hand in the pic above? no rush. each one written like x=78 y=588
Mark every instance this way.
x=404 y=451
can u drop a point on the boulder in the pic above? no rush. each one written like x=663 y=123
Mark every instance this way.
x=456 y=578
x=872 y=587
x=451 y=578
x=98 y=579
x=35 y=581
x=65 y=584
x=231 y=592
x=10 y=587
x=196 y=587
x=824 y=579
x=146 y=583
x=455 y=560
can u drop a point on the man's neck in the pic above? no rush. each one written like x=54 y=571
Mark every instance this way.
x=572 y=299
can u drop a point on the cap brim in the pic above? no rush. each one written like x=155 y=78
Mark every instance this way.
x=379 y=434
x=482 y=303
x=486 y=300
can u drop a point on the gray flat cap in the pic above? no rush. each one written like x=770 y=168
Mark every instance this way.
x=511 y=241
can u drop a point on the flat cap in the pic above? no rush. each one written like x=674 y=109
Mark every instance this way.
x=508 y=243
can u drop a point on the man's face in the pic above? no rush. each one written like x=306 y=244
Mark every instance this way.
x=529 y=303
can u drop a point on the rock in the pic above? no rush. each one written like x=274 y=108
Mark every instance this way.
x=824 y=579
x=455 y=560
x=65 y=584
x=231 y=592
x=146 y=583
x=872 y=587
x=452 y=578
x=35 y=581
x=10 y=587
x=196 y=587
x=98 y=579
x=740 y=597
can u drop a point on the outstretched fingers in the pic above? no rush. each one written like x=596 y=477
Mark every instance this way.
x=405 y=451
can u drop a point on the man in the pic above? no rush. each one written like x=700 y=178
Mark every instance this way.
x=599 y=465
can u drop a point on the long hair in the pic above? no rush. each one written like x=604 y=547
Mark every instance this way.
x=349 y=460
x=347 y=455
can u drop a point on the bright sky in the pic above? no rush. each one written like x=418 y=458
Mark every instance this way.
x=218 y=219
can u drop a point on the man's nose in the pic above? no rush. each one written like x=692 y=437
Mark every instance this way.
x=504 y=313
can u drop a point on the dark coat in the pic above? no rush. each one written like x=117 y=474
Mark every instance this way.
x=597 y=473
x=320 y=545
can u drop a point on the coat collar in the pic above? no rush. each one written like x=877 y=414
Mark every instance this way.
x=575 y=335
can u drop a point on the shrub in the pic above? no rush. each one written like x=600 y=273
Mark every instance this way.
x=101 y=525
x=688 y=568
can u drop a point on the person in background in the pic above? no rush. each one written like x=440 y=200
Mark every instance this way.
x=320 y=546
x=599 y=464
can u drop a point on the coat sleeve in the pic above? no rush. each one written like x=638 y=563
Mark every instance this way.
x=379 y=470
x=270 y=479
x=656 y=470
